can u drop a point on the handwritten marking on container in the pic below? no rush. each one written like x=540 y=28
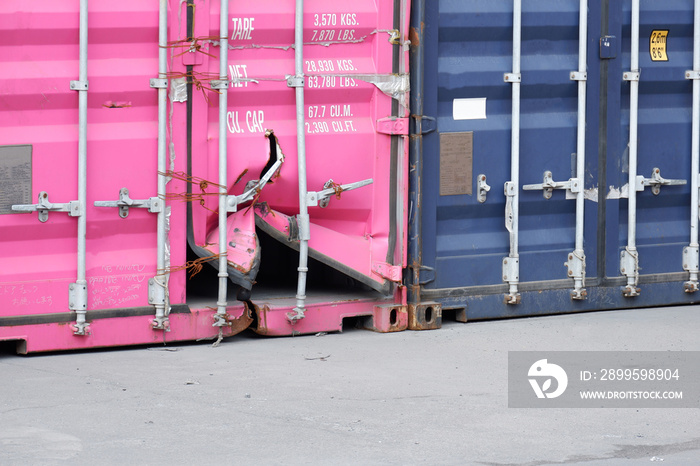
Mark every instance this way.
x=242 y=28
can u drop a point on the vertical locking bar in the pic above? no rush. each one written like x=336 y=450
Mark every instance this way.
x=690 y=254
x=79 y=299
x=511 y=275
x=303 y=218
x=578 y=272
x=220 y=317
x=159 y=283
x=629 y=266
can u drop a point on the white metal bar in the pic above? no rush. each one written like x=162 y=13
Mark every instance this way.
x=303 y=218
x=629 y=264
x=79 y=299
x=511 y=263
x=578 y=253
x=159 y=283
x=691 y=258
x=223 y=168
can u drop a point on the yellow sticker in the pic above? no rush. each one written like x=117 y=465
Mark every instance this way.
x=657 y=45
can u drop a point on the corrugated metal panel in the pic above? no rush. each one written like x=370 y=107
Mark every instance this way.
x=356 y=73
x=40 y=58
x=468 y=48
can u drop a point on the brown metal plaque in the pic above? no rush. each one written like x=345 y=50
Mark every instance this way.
x=456 y=155
x=15 y=177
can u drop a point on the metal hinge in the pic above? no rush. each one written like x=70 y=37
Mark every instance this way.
x=390 y=272
x=427 y=124
x=392 y=126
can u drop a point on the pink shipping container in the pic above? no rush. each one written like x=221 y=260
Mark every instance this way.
x=150 y=162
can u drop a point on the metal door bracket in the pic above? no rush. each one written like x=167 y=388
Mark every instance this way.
x=577 y=270
x=572 y=186
x=425 y=275
x=79 y=86
x=656 y=181
x=322 y=198
x=390 y=272
x=511 y=275
x=512 y=77
x=153 y=204
x=629 y=267
x=77 y=297
x=393 y=126
x=692 y=74
x=631 y=75
x=44 y=206
x=482 y=188
x=578 y=76
x=295 y=81
x=427 y=124
x=159 y=83
x=156 y=293
x=690 y=264
x=219 y=84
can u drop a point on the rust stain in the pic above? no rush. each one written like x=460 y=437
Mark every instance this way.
x=262 y=319
x=241 y=323
x=110 y=104
x=414 y=37
x=240 y=176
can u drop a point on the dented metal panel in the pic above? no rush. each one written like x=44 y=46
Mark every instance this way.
x=355 y=79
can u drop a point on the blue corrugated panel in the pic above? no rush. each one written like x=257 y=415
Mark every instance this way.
x=468 y=48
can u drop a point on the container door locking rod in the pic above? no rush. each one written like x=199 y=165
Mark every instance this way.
x=574 y=187
x=511 y=264
x=629 y=257
x=691 y=252
x=220 y=318
x=158 y=285
x=297 y=82
x=77 y=292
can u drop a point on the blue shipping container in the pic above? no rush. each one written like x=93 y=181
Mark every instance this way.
x=489 y=238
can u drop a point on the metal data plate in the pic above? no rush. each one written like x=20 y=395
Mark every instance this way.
x=456 y=156
x=15 y=177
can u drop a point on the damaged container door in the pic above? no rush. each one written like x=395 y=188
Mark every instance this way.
x=355 y=91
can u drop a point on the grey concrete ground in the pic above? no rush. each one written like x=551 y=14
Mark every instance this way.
x=436 y=397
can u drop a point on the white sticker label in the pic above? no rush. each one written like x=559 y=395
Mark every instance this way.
x=469 y=109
